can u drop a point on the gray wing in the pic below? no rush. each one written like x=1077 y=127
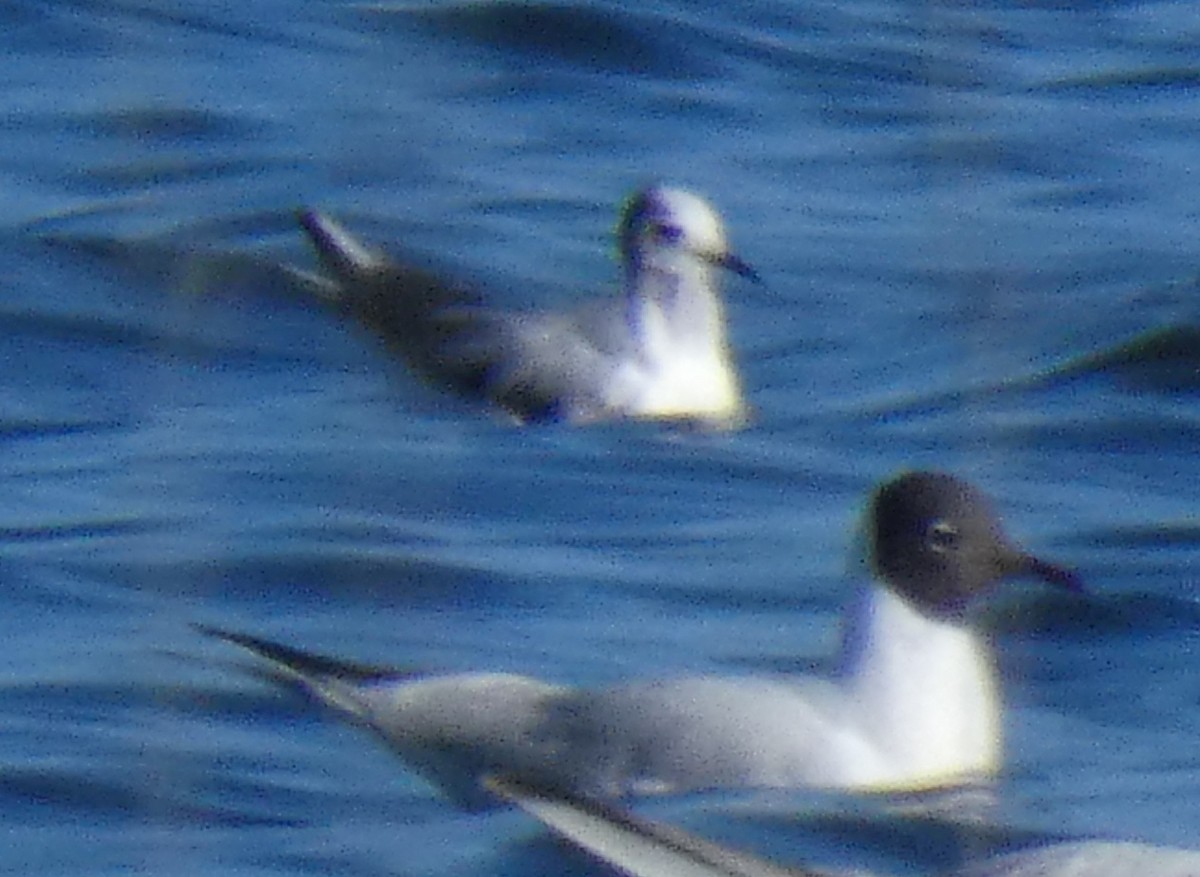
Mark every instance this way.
x=538 y=366
x=695 y=733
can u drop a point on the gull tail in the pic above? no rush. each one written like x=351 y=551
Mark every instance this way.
x=633 y=845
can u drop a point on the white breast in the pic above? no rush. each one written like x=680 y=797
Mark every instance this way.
x=924 y=690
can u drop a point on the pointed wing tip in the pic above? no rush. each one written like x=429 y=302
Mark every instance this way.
x=307 y=667
x=276 y=653
x=337 y=248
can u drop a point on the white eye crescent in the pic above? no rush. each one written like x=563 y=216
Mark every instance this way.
x=942 y=536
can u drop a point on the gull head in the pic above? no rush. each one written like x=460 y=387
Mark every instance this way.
x=660 y=221
x=937 y=543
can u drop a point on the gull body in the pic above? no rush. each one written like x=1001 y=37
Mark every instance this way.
x=914 y=704
x=658 y=350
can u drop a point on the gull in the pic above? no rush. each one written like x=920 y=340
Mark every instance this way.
x=641 y=847
x=657 y=351
x=913 y=706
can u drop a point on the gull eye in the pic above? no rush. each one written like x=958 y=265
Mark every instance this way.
x=665 y=233
x=942 y=537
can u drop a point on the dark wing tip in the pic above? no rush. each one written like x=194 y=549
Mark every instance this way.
x=307 y=664
x=336 y=247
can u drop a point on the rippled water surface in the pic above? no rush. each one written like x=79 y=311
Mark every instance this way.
x=979 y=231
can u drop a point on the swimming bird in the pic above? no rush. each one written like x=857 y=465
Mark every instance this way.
x=657 y=351
x=643 y=847
x=913 y=705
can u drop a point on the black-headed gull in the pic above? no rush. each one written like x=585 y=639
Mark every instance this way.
x=914 y=704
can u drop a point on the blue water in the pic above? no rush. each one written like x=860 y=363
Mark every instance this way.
x=979 y=229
